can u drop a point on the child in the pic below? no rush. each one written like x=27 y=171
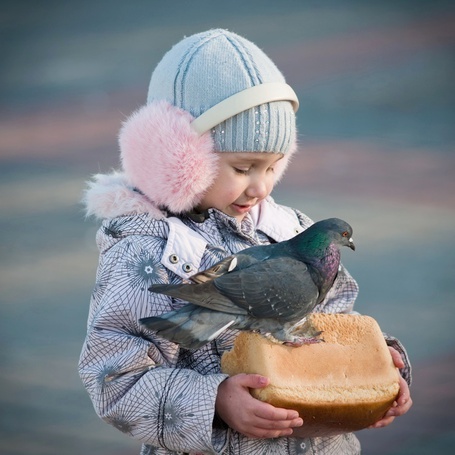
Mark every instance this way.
x=199 y=164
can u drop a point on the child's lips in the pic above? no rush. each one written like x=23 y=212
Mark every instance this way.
x=242 y=208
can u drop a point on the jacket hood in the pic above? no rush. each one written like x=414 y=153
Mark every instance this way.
x=113 y=195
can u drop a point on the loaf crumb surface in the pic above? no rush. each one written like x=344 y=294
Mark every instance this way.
x=345 y=383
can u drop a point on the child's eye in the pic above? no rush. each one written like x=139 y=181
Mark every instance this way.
x=241 y=171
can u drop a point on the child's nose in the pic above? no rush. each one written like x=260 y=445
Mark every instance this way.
x=257 y=188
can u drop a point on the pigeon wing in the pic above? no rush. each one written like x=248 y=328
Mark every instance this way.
x=203 y=295
x=279 y=288
x=226 y=265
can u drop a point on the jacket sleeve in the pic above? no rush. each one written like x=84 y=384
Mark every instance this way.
x=406 y=371
x=131 y=376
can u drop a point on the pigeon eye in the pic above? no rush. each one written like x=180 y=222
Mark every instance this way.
x=345 y=234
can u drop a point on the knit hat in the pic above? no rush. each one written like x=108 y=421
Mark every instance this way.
x=213 y=91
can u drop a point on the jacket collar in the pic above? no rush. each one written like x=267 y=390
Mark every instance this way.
x=276 y=221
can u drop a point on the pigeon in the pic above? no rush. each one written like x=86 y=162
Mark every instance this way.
x=267 y=289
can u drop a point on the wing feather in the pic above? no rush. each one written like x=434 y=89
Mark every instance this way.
x=277 y=288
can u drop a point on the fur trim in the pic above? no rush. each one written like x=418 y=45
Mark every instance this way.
x=111 y=195
x=165 y=158
x=282 y=165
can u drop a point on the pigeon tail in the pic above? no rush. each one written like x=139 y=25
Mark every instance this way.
x=190 y=326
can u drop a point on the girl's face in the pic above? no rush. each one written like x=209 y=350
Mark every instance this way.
x=244 y=179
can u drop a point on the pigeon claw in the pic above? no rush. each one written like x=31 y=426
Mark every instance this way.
x=300 y=341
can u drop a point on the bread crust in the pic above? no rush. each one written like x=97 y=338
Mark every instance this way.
x=343 y=384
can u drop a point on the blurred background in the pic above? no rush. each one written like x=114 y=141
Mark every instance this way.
x=377 y=135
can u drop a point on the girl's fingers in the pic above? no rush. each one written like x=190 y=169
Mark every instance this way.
x=277 y=424
x=269 y=412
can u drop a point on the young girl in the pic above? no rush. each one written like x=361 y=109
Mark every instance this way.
x=199 y=163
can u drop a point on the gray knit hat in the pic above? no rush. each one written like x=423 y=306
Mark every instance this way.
x=205 y=69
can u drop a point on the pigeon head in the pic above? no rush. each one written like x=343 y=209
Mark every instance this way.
x=339 y=232
x=319 y=236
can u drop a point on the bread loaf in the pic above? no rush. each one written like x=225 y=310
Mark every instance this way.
x=345 y=383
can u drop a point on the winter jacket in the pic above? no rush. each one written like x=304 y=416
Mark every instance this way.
x=150 y=388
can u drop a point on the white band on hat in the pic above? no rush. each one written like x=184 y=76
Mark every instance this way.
x=241 y=101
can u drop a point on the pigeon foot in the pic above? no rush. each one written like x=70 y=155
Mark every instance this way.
x=300 y=341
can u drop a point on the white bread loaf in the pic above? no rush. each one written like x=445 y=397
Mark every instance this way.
x=345 y=383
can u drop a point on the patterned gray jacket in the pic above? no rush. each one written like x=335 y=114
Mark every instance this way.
x=145 y=386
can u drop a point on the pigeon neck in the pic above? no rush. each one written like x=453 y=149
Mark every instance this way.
x=324 y=269
x=314 y=245
x=319 y=252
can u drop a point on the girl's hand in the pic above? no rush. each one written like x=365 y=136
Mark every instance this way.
x=249 y=416
x=403 y=402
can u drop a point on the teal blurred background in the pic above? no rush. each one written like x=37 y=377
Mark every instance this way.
x=377 y=141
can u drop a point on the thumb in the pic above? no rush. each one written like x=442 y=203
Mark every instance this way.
x=253 y=381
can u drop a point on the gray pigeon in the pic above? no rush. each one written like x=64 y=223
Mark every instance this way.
x=264 y=288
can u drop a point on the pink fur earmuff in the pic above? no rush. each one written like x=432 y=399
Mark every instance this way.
x=165 y=158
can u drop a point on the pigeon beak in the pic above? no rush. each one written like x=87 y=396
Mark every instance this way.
x=351 y=244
